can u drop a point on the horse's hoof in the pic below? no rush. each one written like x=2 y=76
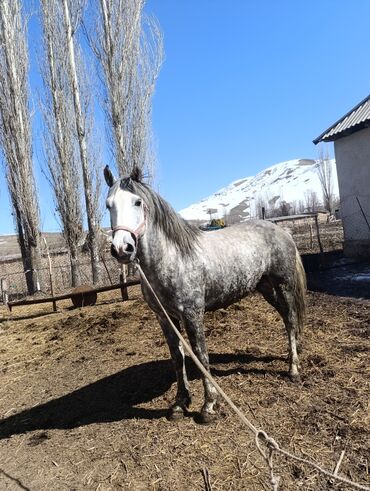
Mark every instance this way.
x=295 y=377
x=175 y=414
x=206 y=418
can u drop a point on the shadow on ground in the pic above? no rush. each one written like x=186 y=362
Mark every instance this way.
x=115 y=397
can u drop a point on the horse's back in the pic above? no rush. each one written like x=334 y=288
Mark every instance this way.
x=250 y=240
x=236 y=258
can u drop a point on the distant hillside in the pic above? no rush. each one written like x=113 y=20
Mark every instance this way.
x=292 y=181
x=9 y=247
x=288 y=181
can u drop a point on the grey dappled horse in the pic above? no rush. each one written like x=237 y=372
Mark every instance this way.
x=194 y=271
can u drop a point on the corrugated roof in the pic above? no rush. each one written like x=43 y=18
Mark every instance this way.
x=356 y=119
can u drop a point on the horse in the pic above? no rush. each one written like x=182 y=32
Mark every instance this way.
x=193 y=271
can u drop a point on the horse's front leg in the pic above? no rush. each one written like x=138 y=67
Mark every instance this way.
x=183 y=396
x=195 y=331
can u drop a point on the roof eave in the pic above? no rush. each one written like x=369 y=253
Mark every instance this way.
x=342 y=134
x=321 y=138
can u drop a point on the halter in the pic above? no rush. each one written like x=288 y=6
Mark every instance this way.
x=135 y=232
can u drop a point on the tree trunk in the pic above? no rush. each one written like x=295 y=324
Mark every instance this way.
x=35 y=268
x=22 y=246
x=75 y=267
x=94 y=252
x=31 y=257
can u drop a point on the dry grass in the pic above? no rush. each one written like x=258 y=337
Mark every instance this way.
x=85 y=392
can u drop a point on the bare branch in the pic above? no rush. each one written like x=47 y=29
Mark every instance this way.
x=130 y=53
x=312 y=202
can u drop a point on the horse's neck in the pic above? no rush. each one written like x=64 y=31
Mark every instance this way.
x=155 y=252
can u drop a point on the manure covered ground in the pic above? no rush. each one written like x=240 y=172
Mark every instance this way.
x=84 y=394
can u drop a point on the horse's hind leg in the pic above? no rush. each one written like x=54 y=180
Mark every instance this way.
x=291 y=323
x=281 y=297
x=183 y=396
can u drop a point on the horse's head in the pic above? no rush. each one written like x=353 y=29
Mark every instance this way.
x=126 y=215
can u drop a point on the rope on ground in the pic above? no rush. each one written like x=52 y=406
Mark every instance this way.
x=260 y=435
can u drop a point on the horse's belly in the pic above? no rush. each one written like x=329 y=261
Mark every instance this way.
x=223 y=302
x=227 y=293
x=231 y=279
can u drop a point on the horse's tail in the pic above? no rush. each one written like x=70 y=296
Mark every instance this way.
x=300 y=287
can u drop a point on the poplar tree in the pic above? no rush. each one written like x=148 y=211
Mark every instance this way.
x=72 y=14
x=16 y=136
x=61 y=142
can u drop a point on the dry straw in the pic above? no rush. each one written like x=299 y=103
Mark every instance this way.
x=261 y=437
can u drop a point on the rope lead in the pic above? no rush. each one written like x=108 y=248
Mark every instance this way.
x=260 y=435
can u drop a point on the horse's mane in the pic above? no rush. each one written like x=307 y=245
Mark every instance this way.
x=181 y=233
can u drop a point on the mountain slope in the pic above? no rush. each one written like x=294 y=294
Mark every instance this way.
x=290 y=181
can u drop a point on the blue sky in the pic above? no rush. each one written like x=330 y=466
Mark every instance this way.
x=245 y=84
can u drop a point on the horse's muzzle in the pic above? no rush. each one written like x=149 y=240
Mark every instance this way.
x=123 y=257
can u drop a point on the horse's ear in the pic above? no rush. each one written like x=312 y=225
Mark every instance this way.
x=109 y=179
x=136 y=174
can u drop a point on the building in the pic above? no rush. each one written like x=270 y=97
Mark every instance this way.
x=351 y=137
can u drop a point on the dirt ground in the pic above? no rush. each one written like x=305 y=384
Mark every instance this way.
x=84 y=394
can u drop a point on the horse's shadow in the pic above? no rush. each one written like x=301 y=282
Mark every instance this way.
x=115 y=397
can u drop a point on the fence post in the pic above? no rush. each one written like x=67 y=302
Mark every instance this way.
x=311 y=237
x=50 y=275
x=122 y=279
x=4 y=291
x=318 y=234
x=106 y=267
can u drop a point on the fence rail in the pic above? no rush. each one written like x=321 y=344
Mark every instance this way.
x=13 y=277
x=33 y=301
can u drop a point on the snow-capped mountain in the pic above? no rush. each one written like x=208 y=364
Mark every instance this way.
x=292 y=181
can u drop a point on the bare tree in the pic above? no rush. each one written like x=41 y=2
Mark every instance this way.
x=72 y=16
x=312 y=202
x=130 y=53
x=324 y=170
x=294 y=208
x=301 y=208
x=284 y=209
x=61 y=137
x=148 y=67
x=16 y=136
x=260 y=206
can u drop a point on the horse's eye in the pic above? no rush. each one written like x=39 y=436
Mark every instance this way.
x=138 y=202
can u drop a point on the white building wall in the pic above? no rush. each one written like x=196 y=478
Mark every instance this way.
x=352 y=155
